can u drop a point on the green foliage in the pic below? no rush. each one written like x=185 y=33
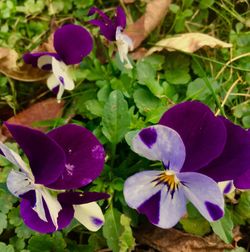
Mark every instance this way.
x=224 y=227
x=115 y=119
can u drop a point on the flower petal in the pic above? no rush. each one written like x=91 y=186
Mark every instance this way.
x=46 y=157
x=15 y=159
x=120 y=17
x=77 y=198
x=243 y=181
x=204 y=193
x=235 y=158
x=72 y=43
x=33 y=59
x=90 y=215
x=94 y=10
x=18 y=183
x=160 y=143
x=203 y=134
x=84 y=156
x=154 y=200
x=32 y=220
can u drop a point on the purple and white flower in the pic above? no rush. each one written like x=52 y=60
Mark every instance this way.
x=66 y=158
x=72 y=43
x=196 y=150
x=112 y=30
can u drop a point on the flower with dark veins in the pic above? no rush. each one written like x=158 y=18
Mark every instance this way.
x=72 y=43
x=66 y=158
x=112 y=30
x=197 y=150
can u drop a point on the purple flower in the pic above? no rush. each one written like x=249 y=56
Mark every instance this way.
x=66 y=158
x=196 y=150
x=112 y=29
x=72 y=43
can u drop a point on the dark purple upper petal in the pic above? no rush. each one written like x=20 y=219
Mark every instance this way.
x=203 y=134
x=84 y=156
x=46 y=157
x=107 y=25
x=78 y=198
x=32 y=58
x=32 y=220
x=120 y=18
x=72 y=43
x=235 y=158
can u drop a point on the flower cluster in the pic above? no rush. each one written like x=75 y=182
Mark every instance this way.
x=196 y=149
x=66 y=158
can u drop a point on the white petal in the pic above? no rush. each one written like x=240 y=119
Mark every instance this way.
x=52 y=82
x=39 y=207
x=53 y=205
x=18 y=183
x=124 y=44
x=204 y=193
x=60 y=71
x=226 y=187
x=90 y=215
x=15 y=159
x=160 y=143
x=44 y=60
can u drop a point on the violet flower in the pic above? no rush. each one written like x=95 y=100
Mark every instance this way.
x=72 y=43
x=112 y=30
x=197 y=150
x=66 y=158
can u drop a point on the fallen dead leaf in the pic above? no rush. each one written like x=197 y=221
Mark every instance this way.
x=188 y=42
x=156 y=10
x=172 y=240
x=138 y=53
x=45 y=110
x=10 y=68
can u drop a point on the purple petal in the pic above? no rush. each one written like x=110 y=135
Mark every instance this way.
x=243 y=181
x=72 y=43
x=120 y=18
x=203 y=134
x=32 y=220
x=46 y=157
x=84 y=156
x=235 y=158
x=204 y=193
x=108 y=30
x=32 y=58
x=160 y=143
x=77 y=198
x=103 y=16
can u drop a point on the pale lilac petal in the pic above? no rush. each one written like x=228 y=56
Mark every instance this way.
x=32 y=220
x=90 y=215
x=46 y=157
x=203 y=134
x=160 y=143
x=204 y=194
x=72 y=43
x=84 y=156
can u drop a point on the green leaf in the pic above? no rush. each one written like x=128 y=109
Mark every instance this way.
x=94 y=107
x=40 y=243
x=23 y=231
x=127 y=241
x=14 y=217
x=97 y=241
x=246 y=121
x=6 y=201
x=112 y=229
x=18 y=243
x=243 y=207
x=195 y=223
x=224 y=227
x=116 y=118
x=204 y=4
x=6 y=248
x=3 y=222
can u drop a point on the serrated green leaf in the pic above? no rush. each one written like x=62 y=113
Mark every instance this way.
x=3 y=222
x=17 y=243
x=112 y=228
x=116 y=118
x=14 y=217
x=243 y=207
x=127 y=240
x=224 y=227
x=6 y=201
x=23 y=231
x=40 y=243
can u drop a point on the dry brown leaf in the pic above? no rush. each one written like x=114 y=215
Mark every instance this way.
x=172 y=240
x=10 y=68
x=45 y=110
x=138 y=53
x=188 y=42
x=156 y=10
